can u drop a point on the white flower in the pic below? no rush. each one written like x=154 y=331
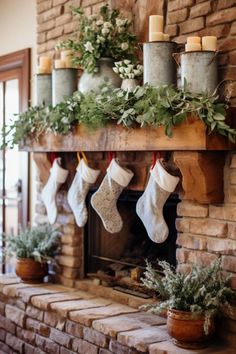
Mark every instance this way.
x=121 y=69
x=137 y=72
x=131 y=66
x=124 y=46
x=119 y=22
x=86 y=29
x=107 y=25
x=131 y=76
x=118 y=63
x=116 y=70
x=105 y=31
x=128 y=70
x=127 y=62
x=99 y=23
x=88 y=47
x=140 y=67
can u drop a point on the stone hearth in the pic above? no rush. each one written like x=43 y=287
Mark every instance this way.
x=47 y=318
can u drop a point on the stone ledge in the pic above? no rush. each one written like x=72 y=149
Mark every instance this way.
x=70 y=320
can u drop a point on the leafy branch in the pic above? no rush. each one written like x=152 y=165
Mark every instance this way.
x=145 y=106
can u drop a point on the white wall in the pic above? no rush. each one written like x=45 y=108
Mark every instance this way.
x=18 y=28
x=18 y=24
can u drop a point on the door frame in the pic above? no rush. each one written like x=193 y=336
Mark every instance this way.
x=17 y=65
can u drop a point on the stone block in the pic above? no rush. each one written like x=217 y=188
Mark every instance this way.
x=201 y=9
x=221 y=246
x=83 y=347
x=15 y=315
x=61 y=338
x=226 y=212
x=179 y=4
x=51 y=347
x=208 y=227
x=2 y=335
x=187 y=208
x=177 y=16
x=182 y=225
x=191 y=241
x=69 y=261
x=86 y=317
x=69 y=250
x=51 y=318
x=2 y=308
x=113 y=325
x=229 y=263
x=95 y=337
x=74 y=329
x=222 y=16
x=64 y=307
x=34 y=313
x=141 y=338
x=192 y=25
x=43 y=302
x=118 y=348
x=25 y=335
x=15 y=343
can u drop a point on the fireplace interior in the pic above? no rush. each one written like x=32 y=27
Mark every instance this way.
x=118 y=260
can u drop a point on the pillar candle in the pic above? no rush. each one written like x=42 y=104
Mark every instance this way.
x=68 y=62
x=209 y=43
x=190 y=47
x=59 y=64
x=43 y=70
x=156 y=36
x=65 y=54
x=192 y=40
x=166 y=37
x=45 y=62
x=155 y=24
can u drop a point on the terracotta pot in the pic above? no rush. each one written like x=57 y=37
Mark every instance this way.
x=187 y=330
x=31 y=271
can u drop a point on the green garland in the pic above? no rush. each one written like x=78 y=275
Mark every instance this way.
x=145 y=106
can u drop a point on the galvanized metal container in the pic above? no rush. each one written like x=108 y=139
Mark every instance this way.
x=200 y=70
x=64 y=83
x=159 y=64
x=44 y=89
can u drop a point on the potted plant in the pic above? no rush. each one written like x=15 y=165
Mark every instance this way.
x=130 y=73
x=191 y=300
x=100 y=40
x=33 y=248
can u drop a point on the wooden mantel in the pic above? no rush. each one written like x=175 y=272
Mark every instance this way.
x=199 y=156
x=189 y=136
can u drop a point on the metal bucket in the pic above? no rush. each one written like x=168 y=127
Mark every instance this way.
x=200 y=70
x=64 y=84
x=44 y=89
x=159 y=64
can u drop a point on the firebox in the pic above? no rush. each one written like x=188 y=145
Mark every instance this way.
x=119 y=259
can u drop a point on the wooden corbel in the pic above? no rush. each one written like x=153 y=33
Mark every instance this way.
x=202 y=175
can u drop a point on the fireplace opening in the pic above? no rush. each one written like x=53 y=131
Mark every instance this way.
x=118 y=260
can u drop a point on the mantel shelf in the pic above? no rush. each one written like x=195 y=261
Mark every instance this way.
x=189 y=136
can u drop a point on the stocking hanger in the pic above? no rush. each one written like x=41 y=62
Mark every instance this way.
x=81 y=155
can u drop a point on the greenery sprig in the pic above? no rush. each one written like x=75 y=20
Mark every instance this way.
x=145 y=106
x=201 y=291
x=106 y=34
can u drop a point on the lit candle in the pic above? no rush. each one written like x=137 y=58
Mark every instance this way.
x=155 y=24
x=191 y=47
x=193 y=40
x=42 y=70
x=59 y=64
x=166 y=37
x=45 y=62
x=209 y=43
x=156 y=36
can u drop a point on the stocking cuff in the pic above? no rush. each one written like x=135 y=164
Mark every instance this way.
x=57 y=172
x=120 y=175
x=165 y=180
x=88 y=174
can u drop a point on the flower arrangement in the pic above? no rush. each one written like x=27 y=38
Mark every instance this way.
x=201 y=291
x=128 y=70
x=104 y=35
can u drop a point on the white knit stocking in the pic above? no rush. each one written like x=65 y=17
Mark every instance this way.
x=58 y=176
x=150 y=205
x=85 y=176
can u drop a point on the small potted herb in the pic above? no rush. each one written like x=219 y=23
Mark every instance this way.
x=100 y=40
x=33 y=248
x=191 y=300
